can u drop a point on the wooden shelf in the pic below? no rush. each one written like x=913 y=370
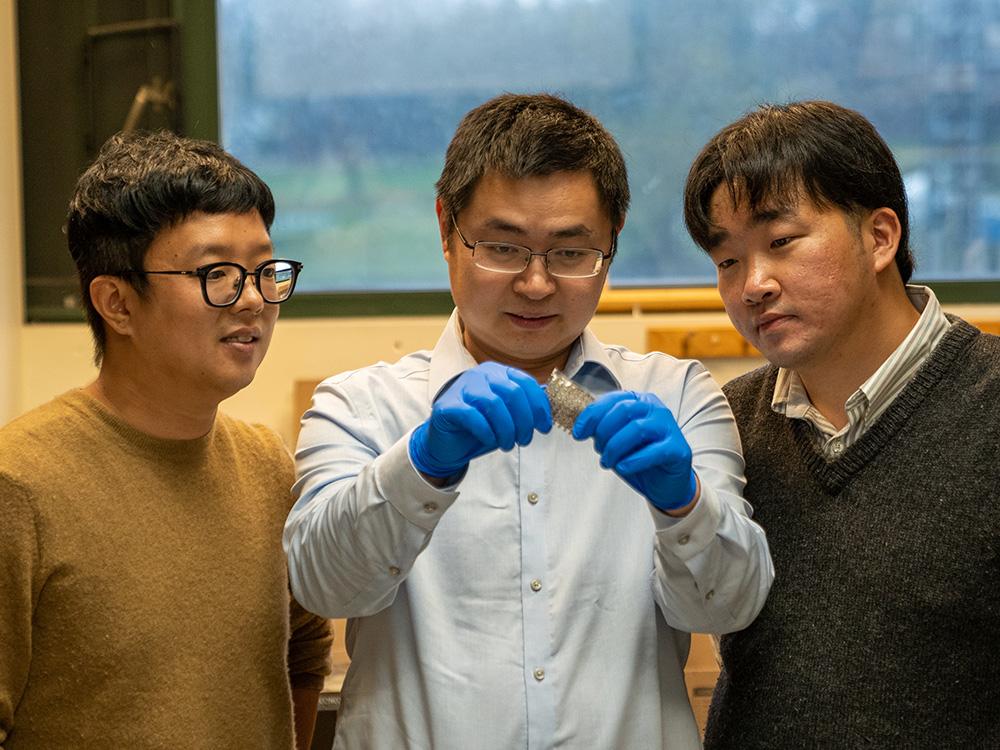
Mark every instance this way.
x=698 y=342
x=686 y=299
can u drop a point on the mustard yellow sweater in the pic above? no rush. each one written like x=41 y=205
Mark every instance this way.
x=143 y=593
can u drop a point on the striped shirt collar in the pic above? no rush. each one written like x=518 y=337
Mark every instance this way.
x=875 y=395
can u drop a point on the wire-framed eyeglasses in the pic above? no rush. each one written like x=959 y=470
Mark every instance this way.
x=564 y=262
x=222 y=283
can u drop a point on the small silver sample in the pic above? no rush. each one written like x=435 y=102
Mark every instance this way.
x=566 y=398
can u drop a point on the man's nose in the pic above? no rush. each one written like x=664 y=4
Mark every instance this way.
x=535 y=281
x=250 y=297
x=759 y=284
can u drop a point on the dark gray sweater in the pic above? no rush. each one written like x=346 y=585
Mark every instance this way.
x=882 y=628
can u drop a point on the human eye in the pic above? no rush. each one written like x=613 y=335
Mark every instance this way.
x=503 y=254
x=501 y=249
x=571 y=254
x=214 y=274
x=781 y=242
x=723 y=257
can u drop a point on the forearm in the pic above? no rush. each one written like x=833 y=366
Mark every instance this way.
x=713 y=565
x=309 y=643
x=304 y=704
x=713 y=568
x=351 y=542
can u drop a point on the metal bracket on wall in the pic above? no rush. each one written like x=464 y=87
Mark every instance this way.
x=156 y=94
x=133 y=72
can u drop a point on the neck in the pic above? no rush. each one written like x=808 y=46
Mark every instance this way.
x=832 y=379
x=150 y=411
x=540 y=369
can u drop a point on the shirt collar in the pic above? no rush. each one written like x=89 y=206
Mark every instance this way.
x=449 y=359
x=790 y=397
x=588 y=364
x=930 y=327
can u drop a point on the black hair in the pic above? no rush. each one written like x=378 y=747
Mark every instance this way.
x=777 y=154
x=523 y=135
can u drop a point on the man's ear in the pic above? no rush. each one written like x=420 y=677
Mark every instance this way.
x=883 y=231
x=444 y=224
x=112 y=298
x=618 y=234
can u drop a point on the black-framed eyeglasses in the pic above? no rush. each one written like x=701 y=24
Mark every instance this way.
x=564 y=262
x=222 y=283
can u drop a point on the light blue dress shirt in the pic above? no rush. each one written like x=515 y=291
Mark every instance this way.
x=540 y=602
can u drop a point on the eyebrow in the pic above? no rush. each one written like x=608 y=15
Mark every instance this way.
x=575 y=230
x=766 y=215
x=214 y=248
x=716 y=238
x=717 y=235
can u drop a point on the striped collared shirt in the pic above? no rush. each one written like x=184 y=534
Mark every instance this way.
x=876 y=394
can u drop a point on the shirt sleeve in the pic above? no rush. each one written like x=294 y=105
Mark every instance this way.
x=363 y=513
x=309 y=643
x=713 y=566
x=19 y=588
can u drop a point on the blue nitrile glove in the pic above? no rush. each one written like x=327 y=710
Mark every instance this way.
x=637 y=436
x=488 y=407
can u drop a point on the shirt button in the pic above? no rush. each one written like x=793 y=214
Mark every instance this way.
x=536 y=585
x=838 y=447
x=710 y=594
x=532 y=497
x=393 y=570
x=684 y=539
x=539 y=674
x=430 y=507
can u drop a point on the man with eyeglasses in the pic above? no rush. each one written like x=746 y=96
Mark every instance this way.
x=143 y=589
x=503 y=589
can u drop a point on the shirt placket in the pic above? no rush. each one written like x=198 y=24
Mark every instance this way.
x=540 y=677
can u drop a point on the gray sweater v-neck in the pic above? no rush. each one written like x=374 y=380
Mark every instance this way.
x=882 y=628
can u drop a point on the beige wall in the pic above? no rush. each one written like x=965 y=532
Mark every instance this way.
x=10 y=219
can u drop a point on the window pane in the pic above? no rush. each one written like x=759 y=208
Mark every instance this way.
x=346 y=107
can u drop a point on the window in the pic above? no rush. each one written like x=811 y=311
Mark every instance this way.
x=346 y=107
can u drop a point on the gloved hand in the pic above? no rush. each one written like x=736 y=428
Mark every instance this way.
x=488 y=407
x=637 y=437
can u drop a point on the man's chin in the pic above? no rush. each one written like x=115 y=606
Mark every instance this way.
x=230 y=386
x=788 y=359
